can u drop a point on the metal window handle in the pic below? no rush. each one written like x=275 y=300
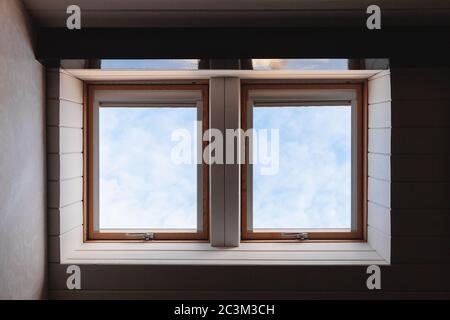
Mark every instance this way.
x=297 y=235
x=147 y=236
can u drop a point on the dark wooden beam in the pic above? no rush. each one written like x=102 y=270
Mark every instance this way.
x=426 y=46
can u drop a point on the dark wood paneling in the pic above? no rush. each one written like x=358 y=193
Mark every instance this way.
x=221 y=5
x=420 y=223
x=420 y=168
x=420 y=83
x=254 y=278
x=420 y=113
x=419 y=277
x=206 y=13
x=420 y=195
x=414 y=141
x=242 y=294
x=420 y=46
x=241 y=18
x=414 y=249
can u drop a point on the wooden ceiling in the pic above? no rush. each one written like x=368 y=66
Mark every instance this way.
x=239 y=13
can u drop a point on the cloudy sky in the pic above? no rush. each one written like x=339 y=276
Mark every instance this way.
x=140 y=187
x=258 y=64
x=312 y=188
x=158 y=64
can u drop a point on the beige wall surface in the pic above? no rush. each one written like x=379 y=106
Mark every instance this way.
x=22 y=159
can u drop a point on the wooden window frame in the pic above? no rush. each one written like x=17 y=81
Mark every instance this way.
x=360 y=234
x=90 y=234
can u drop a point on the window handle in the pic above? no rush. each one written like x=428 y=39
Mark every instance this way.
x=147 y=236
x=296 y=235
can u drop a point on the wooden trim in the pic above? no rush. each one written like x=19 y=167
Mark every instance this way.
x=361 y=233
x=100 y=76
x=85 y=160
x=88 y=150
x=364 y=156
x=244 y=197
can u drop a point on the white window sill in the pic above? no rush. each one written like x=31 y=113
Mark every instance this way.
x=152 y=253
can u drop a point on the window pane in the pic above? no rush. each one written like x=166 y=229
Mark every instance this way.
x=140 y=187
x=300 y=64
x=312 y=188
x=151 y=64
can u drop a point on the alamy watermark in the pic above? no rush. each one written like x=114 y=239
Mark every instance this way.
x=374 y=280
x=73 y=21
x=374 y=20
x=73 y=282
x=229 y=148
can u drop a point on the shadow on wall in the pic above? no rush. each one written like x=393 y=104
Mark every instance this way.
x=22 y=159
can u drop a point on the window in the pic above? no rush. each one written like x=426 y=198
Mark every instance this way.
x=257 y=64
x=135 y=188
x=303 y=174
x=315 y=190
x=229 y=94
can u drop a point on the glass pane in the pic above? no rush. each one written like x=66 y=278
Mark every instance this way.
x=300 y=64
x=140 y=186
x=151 y=64
x=312 y=188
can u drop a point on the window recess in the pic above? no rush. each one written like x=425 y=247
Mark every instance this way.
x=68 y=235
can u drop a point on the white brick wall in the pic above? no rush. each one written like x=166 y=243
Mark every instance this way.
x=64 y=158
x=379 y=164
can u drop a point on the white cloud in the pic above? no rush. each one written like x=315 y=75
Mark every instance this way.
x=267 y=64
x=156 y=64
x=139 y=186
x=300 y=64
x=313 y=186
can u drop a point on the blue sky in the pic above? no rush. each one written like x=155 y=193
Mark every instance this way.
x=312 y=188
x=258 y=64
x=158 y=64
x=300 y=64
x=140 y=187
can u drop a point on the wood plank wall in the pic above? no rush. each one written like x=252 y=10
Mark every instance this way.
x=379 y=160
x=415 y=124
x=64 y=157
x=420 y=146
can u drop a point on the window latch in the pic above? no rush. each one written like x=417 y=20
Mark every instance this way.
x=147 y=236
x=298 y=236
